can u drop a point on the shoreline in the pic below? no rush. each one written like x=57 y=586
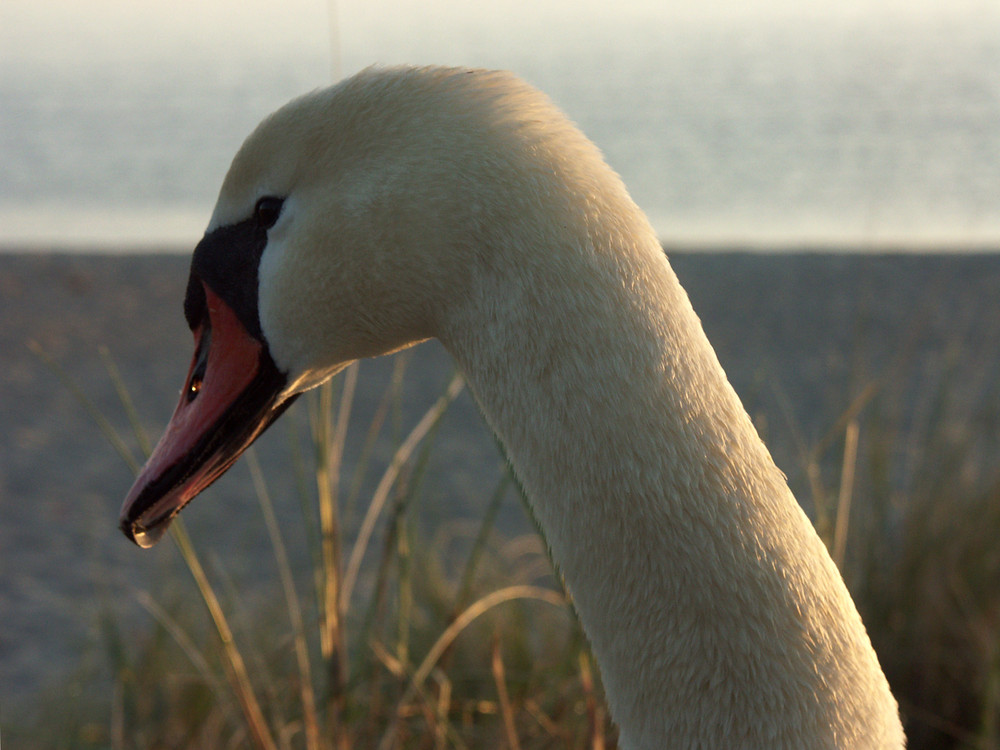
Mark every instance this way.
x=749 y=247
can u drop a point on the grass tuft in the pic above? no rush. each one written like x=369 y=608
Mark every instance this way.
x=424 y=653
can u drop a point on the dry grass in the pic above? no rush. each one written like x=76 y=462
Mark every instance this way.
x=905 y=489
x=406 y=660
x=418 y=658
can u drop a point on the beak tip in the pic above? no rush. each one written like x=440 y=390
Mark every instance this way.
x=135 y=532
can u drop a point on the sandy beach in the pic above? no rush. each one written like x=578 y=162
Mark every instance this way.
x=799 y=334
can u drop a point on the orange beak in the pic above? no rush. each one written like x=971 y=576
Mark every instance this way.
x=231 y=395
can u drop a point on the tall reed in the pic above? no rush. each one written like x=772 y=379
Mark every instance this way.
x=364 y=694
x=420 y=653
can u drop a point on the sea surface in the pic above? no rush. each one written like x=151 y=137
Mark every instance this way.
x=855 y=130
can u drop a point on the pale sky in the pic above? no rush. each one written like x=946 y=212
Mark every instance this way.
x=392 y=30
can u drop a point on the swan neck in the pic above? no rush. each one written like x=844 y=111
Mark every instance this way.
x=712 y=606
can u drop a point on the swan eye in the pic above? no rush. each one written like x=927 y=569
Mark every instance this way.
x=267 y=211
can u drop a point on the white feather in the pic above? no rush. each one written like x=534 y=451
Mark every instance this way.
x=464 y=206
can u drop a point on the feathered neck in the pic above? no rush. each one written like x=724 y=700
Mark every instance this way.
x=714 y=610
x=463 y=205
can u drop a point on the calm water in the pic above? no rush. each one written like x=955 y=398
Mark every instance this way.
x=850 y=131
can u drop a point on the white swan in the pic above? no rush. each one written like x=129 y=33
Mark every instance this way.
x=406 y=204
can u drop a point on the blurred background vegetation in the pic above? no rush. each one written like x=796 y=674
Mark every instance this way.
x=873 y=380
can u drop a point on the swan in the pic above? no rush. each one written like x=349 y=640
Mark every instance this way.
x=409 y=203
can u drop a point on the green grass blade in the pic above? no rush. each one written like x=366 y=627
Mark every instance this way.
x=847 y=472
x=181 y=638
x=291 y=602
x=381 y=493
x=444 y=641
x=109 y=432
x=126 y=400
x=400 y=363
x=482 y=536
x=239 y=679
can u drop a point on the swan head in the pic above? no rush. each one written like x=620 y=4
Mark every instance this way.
x=348 y=221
